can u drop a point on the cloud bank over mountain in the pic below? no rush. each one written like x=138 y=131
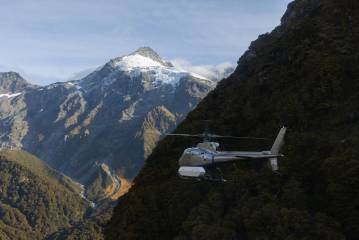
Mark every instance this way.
x=213 y=72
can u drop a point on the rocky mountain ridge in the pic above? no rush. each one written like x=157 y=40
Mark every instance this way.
x=99 y=129
x=13 y=83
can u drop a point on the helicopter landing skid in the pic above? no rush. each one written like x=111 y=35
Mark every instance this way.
x=207 y=178
x=214 y=175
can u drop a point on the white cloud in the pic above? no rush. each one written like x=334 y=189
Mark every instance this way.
x=214 y=72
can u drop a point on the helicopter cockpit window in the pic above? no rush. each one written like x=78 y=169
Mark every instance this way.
x=197 y=152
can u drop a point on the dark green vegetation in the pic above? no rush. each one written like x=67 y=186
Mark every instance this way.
x=35 y=200
x=89 y=229
x=305 y=75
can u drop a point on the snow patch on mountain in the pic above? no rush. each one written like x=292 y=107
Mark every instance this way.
x=129 y=112
x=10 y=95
x=130 y=62
x=74 y=84
x=160 y=75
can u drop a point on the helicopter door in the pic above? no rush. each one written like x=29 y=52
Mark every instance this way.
x=207 y=157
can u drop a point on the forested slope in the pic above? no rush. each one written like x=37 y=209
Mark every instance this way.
x=304 y=75
x=35 y=200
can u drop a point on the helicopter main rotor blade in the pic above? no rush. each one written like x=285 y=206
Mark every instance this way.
x=221 y=136
x=185 y=135
x=204 y=135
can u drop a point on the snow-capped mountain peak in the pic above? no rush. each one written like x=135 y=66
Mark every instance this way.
x=143 y=67
x=143 y=57
x=146 y=60
x=152 y=54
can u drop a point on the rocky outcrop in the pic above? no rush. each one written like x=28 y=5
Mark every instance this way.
x=12 y=82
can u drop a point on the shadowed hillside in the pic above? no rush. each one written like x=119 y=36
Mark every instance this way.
x=35 y=200
x=304 y=75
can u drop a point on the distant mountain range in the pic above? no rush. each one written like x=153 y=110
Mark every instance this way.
x=98 y=130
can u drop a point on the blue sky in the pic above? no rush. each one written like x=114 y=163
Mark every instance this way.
x=48 y=40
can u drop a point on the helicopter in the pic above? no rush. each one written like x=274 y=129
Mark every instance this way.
x=198 y=162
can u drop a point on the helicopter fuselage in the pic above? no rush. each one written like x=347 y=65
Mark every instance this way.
x=196 y=160
x=200 y=156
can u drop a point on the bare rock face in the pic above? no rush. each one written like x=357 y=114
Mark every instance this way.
x=98 y=130
x=12 y=82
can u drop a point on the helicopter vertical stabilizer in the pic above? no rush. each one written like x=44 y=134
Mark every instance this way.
x=276 y=148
